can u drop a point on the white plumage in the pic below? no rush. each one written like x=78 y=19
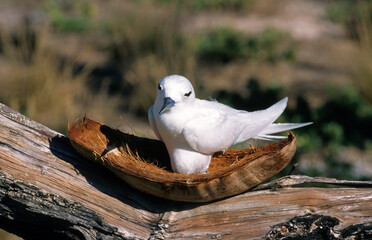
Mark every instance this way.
x=193 y=129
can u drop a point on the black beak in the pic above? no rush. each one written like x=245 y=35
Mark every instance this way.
x=168 y=103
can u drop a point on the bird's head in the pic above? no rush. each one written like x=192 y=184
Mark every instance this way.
x=172 y=90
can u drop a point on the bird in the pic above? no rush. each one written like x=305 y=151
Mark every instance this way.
x=193 y=129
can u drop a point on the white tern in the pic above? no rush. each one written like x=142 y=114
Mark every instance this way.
x=194 y=129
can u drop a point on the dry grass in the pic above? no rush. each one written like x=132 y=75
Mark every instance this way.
x=362 y=59
x=133 y=158
x=151 y=47
x=144 y=41
x=43 y=85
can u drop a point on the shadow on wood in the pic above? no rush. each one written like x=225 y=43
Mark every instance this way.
x=101 y=178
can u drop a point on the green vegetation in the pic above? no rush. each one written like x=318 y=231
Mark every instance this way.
x=350 y=111
x=219 y=4
x=225 y=44
x=356 y=16
x=70 y=15
x=204 y=5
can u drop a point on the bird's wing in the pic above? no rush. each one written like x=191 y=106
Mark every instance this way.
x=153 y=123
x=259 y=124
x=254 y=123
x=212 y=128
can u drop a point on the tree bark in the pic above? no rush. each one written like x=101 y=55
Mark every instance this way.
x=47 y=191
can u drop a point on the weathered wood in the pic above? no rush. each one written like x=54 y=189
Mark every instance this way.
x=43 y=209
x=48 y=190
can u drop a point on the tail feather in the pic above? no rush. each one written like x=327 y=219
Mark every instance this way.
x=281 y=127
x=269 y=137
x=259 y=124
x=277 y=128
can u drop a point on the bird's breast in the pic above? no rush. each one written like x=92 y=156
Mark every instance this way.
x=171 y=123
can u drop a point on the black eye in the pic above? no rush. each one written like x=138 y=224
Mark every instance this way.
x=188 y=94
x=160 y=87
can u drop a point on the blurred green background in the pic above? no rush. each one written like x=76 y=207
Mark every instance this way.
x=61 y=59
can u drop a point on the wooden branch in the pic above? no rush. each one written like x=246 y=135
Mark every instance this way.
x=21 y=200
x=47 y=191
x=294 y=180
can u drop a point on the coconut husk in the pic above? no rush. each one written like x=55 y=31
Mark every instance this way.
x=144 y=164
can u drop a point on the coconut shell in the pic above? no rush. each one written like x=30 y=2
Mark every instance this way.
x=144 y=164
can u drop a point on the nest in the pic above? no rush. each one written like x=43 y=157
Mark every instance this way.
x=144 y=164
